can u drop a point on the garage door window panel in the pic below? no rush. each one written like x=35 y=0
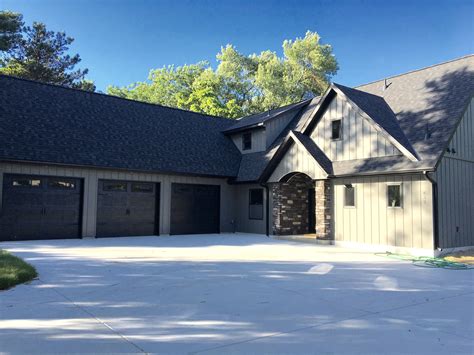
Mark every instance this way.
x=61 y=184
x=115 y=186
x=25 y=182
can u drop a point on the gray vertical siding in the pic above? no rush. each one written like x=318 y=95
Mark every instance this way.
x=372 y=222
x=359 y=138
x=455 y=177
x=91 y=176
x=243 y=223
x=258 y=141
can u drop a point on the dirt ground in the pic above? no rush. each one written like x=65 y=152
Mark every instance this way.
x=465 y=257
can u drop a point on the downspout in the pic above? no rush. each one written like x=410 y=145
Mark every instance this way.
x=267 y=208
x=434 y=185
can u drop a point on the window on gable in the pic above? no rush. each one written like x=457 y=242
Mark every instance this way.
x=336 y=129
x=349 y=195
x=247 y=141
x=394 y=195
x=256 y=204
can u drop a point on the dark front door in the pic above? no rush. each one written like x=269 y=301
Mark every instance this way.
x=195 y=209
x=311 y=211
x=40 y=207
x=127 y=208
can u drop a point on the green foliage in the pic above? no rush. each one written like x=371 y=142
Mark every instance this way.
x=241 y=85
x=11 y=24
x=38 y=54
x=14 y=271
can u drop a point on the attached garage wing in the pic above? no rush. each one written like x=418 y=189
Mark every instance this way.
x=195 y=209
x=40 y=207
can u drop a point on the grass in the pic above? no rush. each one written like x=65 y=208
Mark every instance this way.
x=14 y=271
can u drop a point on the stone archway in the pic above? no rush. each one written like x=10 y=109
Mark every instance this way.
x=293 y=206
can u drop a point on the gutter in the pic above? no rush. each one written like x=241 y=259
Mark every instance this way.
x=434 y=185
x=267 y=208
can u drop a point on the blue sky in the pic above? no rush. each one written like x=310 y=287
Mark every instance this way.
x=120 y=41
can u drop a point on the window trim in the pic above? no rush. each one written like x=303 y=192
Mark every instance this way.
x=401 y=194
x=249 y=203
x=246 y=134
x=344 y=196
x=340 y=130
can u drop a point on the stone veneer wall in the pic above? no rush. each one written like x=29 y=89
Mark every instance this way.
x=290 y=206
x=324 y=209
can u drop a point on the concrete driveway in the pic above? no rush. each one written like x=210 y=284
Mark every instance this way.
x=227 y=294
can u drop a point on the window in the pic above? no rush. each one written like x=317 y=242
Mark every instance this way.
x=61 y=184
x=336 y=127
x=394 y=195
x=349 y=196
x=26 y=182
x=115 y=186
x=256 y=204
x=247 y=141
x=142 y=187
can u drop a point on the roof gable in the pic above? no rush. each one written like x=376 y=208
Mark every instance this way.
x=300 y=154
x=373 y=109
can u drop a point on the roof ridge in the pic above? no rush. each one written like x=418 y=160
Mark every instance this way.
x=416 y=70
x=274 y=109
x=112 y=96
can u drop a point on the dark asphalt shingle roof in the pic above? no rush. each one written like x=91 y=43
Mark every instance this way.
x=47 y=123
x=254 y=120
x=430 y=100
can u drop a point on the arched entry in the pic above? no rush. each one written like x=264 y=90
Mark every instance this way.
x=293 y=205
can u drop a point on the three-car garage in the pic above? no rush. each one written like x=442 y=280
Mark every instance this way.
x=52 y=207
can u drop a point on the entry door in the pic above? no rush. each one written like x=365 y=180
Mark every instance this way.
x=127 y=208
x=40 y=207
x=195 y=209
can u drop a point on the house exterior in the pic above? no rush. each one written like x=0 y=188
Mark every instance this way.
x=389 y=164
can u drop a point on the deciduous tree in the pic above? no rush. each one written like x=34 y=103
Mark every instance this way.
x=241 y=84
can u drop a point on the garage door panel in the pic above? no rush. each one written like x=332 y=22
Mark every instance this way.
x=195 y=209
x=126 y=208
x=32 y=210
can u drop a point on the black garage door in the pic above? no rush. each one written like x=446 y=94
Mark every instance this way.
x=195 y=209
x=127 y=208
x=40 y=207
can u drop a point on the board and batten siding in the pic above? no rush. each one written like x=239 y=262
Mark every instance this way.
x=360 y=139
x=455 y=178
x=371 y=221
x=243 y=223
x=258 y=141
x=297 y=159
x=91 y=176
